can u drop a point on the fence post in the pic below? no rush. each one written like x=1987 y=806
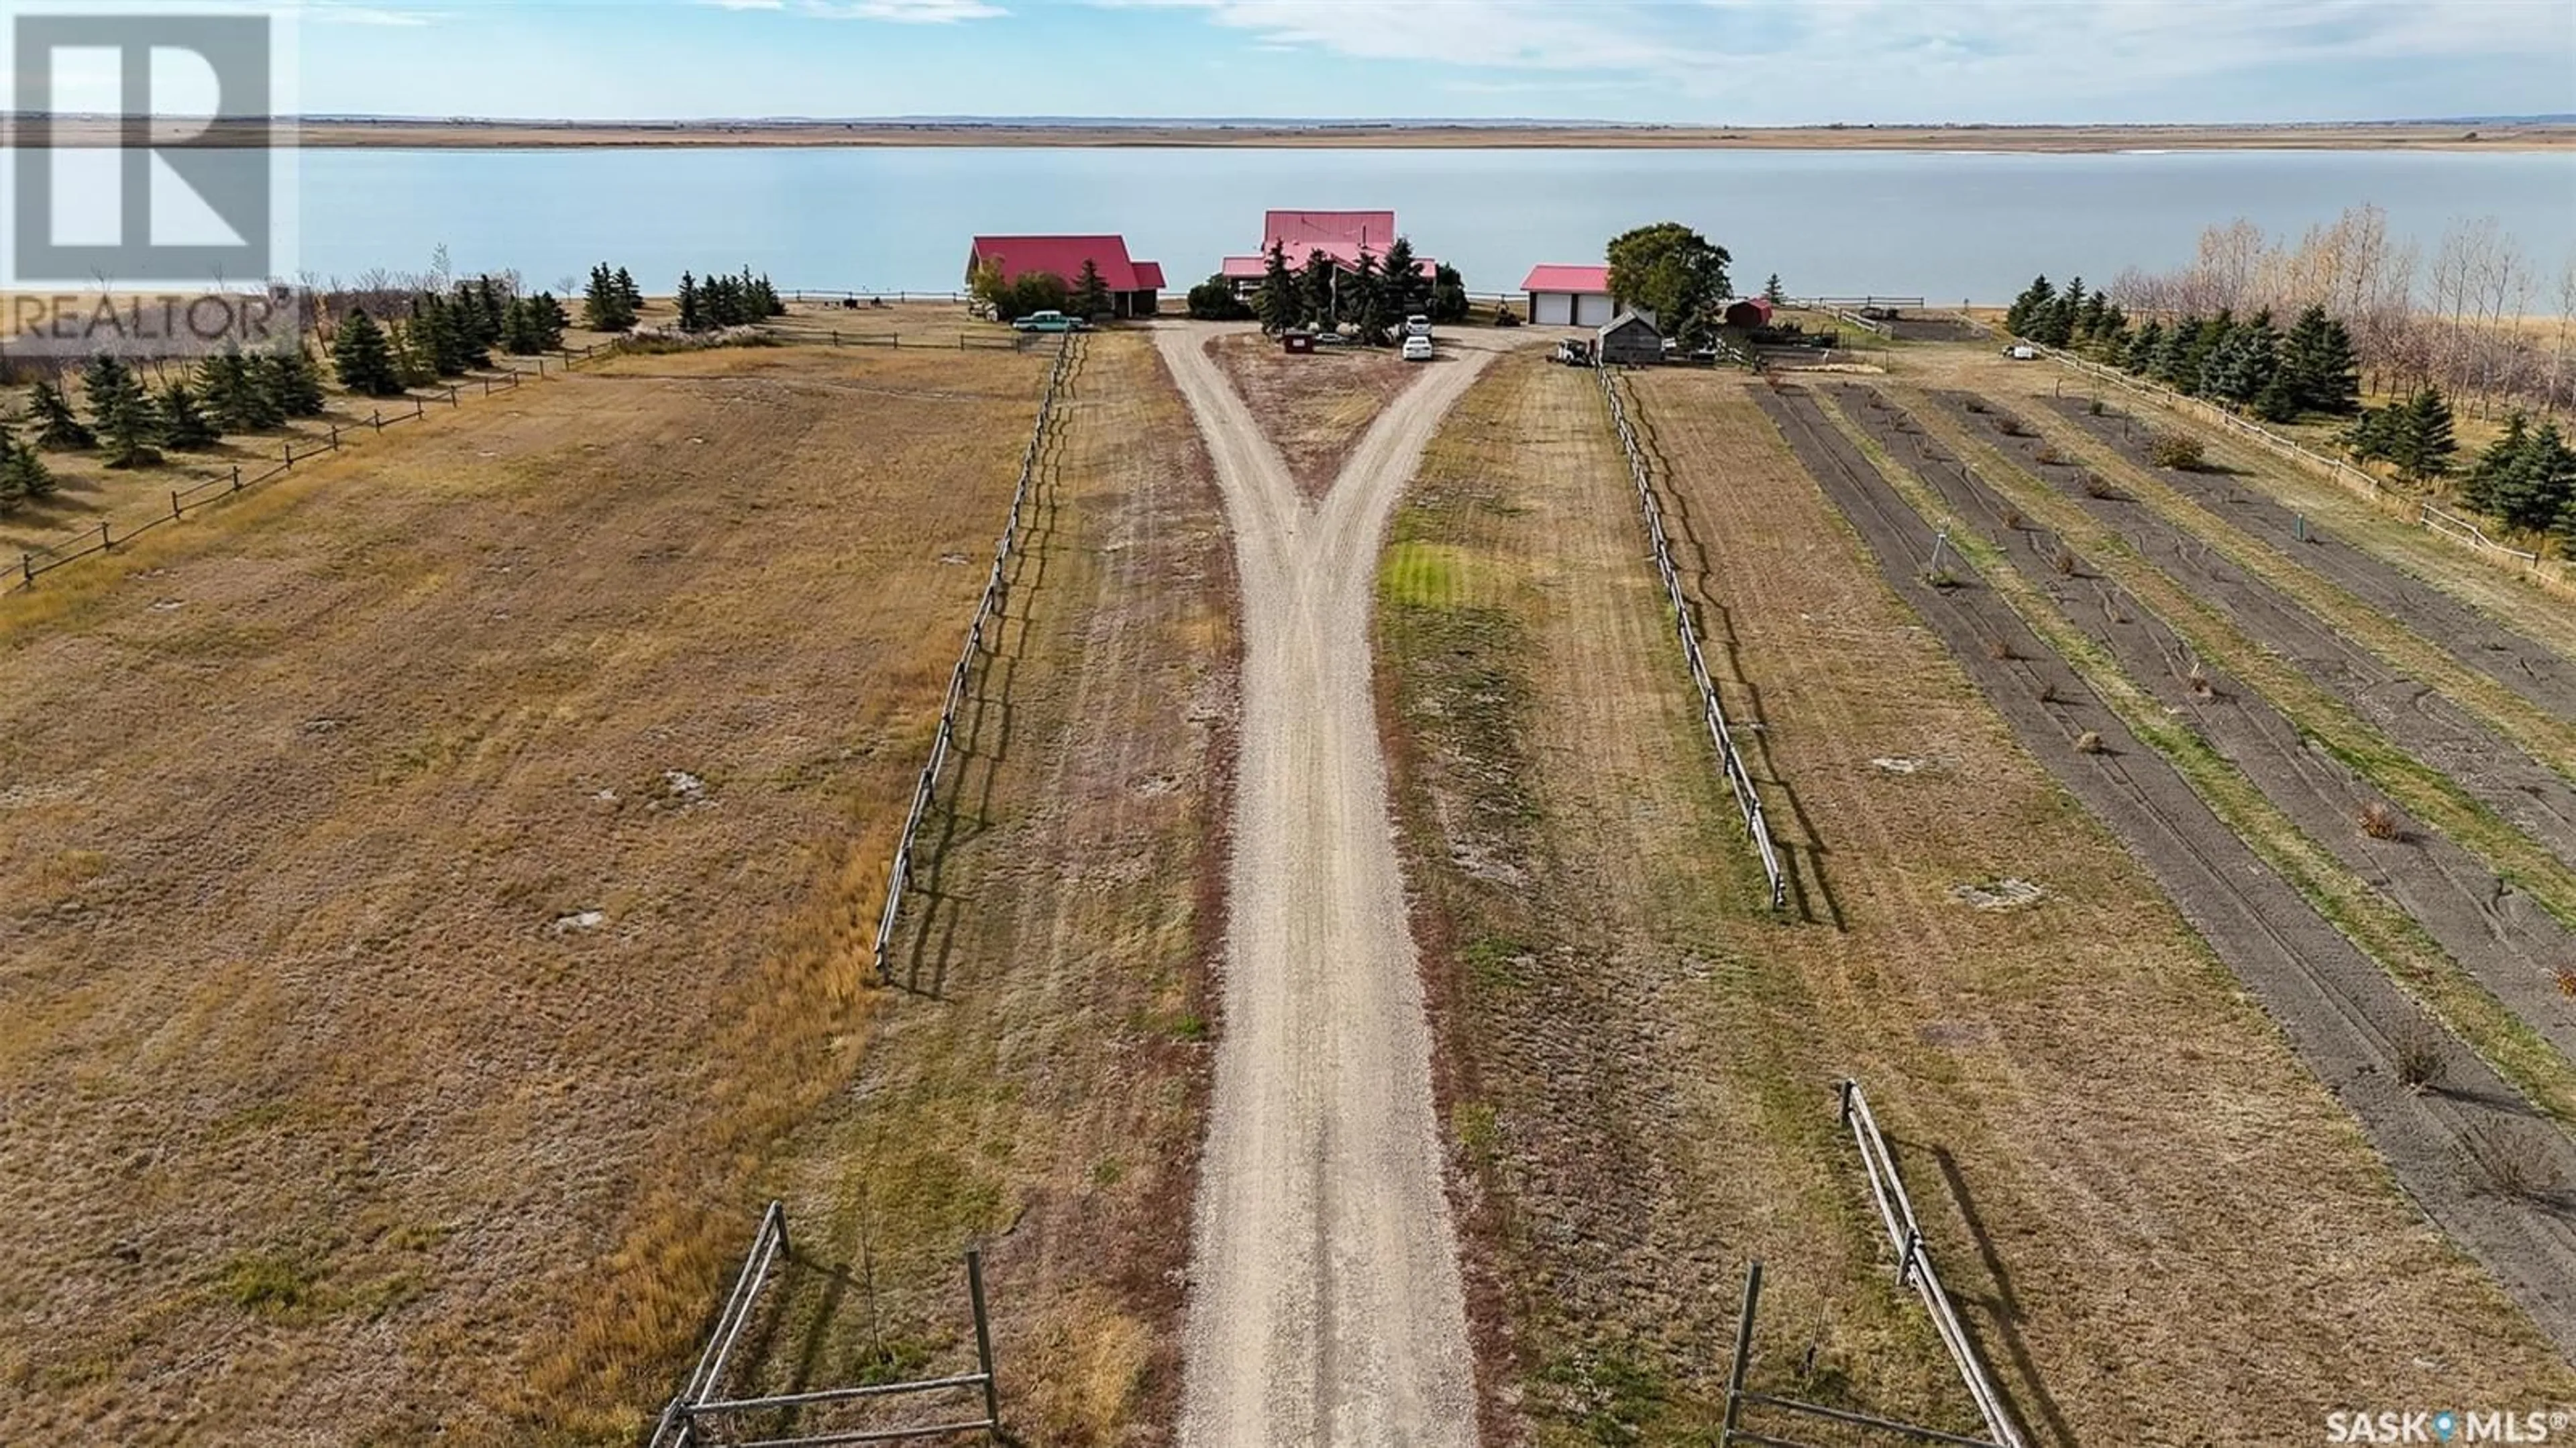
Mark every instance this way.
x=174 y=502
x=1743 y=1353
x=27 y=566
x=1913 y=1253
x=1846 y=1090
x=104 y=542
x=983 y=1343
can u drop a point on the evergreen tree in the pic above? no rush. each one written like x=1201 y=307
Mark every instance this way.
x=364 y=362
x=24 y=475
x=2278 y=401
x=233 y=395
x=414 y=362
x=2033 y=299
x=2243 y=365
x=1364 y=300
x=291 y=383
x=1276 y=303
x=1090 y=294
x=1401 y=292
x=1772 y=293
x=606 y=305
x=184 y=424
x=2317 y=354
x=630 y=293
x=56 y=425
x=2526 y=478
x=460 y=338
x=489 y=312
x=1448 y=294
x=2173 y=364
x=112 y=389
x=2140 y=354
x=128 y=426
x=1320 y=286
x=2420 y=442
x=692 y=317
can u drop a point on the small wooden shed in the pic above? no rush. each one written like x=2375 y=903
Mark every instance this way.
x=1629 y=340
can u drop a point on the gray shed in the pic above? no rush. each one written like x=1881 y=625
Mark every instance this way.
x=1631 y=341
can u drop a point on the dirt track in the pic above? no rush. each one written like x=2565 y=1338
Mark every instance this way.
x=1325 y=1302
x=2340 y=1011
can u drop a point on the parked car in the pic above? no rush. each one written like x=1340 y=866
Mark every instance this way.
x=2022 y=352
x=1417 y=349
x=1051 y=322
x=1417 y=325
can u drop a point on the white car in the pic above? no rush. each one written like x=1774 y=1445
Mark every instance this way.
x=1417 y=349
x=1417 y=325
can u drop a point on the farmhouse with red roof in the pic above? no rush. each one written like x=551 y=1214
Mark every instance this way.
x=1135 y=287
x=1340 y=235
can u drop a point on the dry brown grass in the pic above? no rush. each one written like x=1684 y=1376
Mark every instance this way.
x=2029 y=1051
x=1314 y=408
x=328 y=1122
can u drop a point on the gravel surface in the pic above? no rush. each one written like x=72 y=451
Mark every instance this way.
x=1325 y=1303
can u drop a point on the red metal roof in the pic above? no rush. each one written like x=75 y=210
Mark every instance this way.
x=1551 y=277
x=1340 y=235
x=1064 y=256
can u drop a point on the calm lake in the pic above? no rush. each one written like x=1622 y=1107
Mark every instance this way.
x=1946 y=225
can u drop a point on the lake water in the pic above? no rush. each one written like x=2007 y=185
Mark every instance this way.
x=1942 y=225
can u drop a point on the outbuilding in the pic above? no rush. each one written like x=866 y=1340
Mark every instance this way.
x=1749 y=312
x=1569 y=296
x=1135 y=287
x=1631 y=341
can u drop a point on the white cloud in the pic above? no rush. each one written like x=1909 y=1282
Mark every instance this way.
x=905 y=12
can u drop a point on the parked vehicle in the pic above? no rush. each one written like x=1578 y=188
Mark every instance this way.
x=2022 y=352
x=1574 y=352
x=1417 y=325
x=1051 y=322
x=1417 y=349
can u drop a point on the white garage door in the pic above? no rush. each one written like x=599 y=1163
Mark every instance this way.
x=1552 y=309
x=1592 y=309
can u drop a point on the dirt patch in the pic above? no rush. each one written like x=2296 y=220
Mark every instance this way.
x=2004 y=894
x=1313 y=408
x=319 y=1130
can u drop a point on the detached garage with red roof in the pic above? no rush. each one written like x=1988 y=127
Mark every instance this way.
x=1569 y=296
x=1135 y=287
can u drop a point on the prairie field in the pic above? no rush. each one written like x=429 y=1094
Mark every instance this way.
x=436 y=883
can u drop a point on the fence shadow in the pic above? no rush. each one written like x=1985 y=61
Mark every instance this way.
x=2003 y=1309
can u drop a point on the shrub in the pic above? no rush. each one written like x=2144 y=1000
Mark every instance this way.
x=1214 y=300
x=2012 y=517
x=2048 y=693
x=2098 y=486
x=1976 y=405
x=2094 y=407
x=2048 y=455
x=2001 y=650
x=2063 y=561
x=2421 y=1060
x=2176 y=450
x=2011 y=427
x=2197 y=679
x=2381 y=822
x=2089 y=742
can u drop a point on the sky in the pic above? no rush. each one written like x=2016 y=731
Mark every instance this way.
x=1723 y=62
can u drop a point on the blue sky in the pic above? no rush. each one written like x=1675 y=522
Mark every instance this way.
x=1751 y=62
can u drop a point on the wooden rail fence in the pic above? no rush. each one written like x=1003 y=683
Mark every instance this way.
x=1914 y=1264
x=1712 y=712
x=996 y=584
x=698 y=1417
x=34 y=563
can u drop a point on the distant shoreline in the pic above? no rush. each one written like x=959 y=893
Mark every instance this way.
x=576 y=135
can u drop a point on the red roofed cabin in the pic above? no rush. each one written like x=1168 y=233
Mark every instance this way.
x=1135 y=287
x=1340 y=235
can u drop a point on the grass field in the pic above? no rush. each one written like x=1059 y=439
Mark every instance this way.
x=2127 y=1176
x=1314 y=407
x=435 y=884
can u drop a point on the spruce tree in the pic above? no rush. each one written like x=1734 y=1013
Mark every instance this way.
x=2140 y=354
x=608 y=306
x=2538 y=482
x=128 y=426
x=414 y=363
x=1399 y=278
x=2422 y=445
x=57 y=427
x=1276 y=303
x=364 y=362
x=1090 y=294
x=291 y=382
x=184 y=424
x=1772 y=293
x=23 y=474
x=1320 y=286
x=2033 y=299
x=11 y=495
x=1364 y=301
x=112 y=389
x=233 y=395
x=630 y=293
x=691 y=314
x=2318 y=355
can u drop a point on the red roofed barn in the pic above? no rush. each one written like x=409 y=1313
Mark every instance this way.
x=1340 y=235
x=1135 y=287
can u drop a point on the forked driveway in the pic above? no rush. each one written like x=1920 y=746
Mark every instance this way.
x=1325 y=1306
